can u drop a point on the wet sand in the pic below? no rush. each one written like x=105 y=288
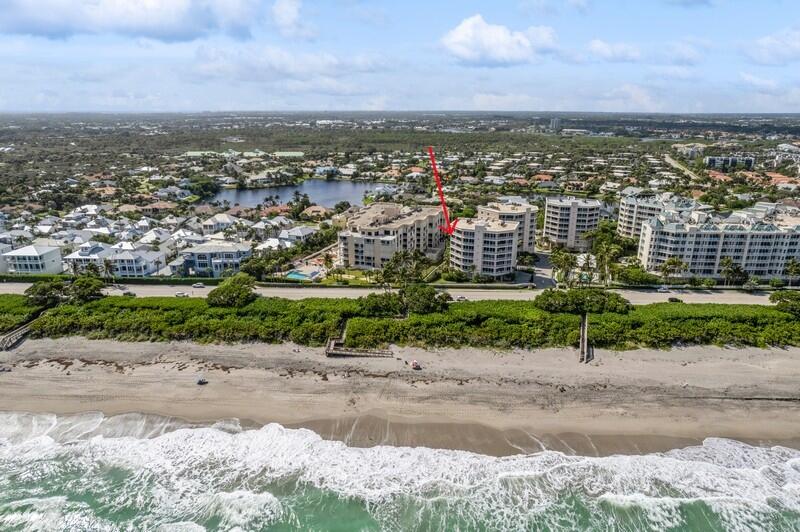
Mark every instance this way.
x=492 y=402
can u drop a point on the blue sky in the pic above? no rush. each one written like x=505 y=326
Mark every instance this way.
x=529 y=55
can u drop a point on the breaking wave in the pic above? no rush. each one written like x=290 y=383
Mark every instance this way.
x=144 y=472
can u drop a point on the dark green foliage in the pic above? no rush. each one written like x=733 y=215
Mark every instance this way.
x=46 y=293
x=307 y=321
x=634 y=275
x=424 y=299
x=85 y=288
x=388 y=304
x=371 y=321
x=503 y=324
x=787 y=302
x=581 y=301
x=236 y=291
x=15 y=310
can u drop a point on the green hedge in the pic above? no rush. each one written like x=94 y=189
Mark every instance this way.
x=15 y=311
x=495 y=324
x=517 y=324
x=308 y=321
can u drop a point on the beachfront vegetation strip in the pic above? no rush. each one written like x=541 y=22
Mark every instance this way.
x=15 y=311
x=497 y=324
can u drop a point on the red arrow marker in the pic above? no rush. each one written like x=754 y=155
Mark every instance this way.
x=448 y=227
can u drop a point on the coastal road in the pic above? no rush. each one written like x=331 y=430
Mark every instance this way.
x=637 y=297
x=675 y=164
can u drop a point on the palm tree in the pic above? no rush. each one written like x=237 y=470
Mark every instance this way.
x=792 y=269
x=563 y=262
x=727 y=269
x=672 y=266
x=108 y=268
x=327 y=261
x=605 y=255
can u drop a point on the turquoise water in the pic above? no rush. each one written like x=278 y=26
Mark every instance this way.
x=297 y=276
x=136 y=472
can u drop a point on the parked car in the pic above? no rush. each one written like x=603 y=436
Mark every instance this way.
x=181 y=294
x=461 y=298
x=198 y=285
x=128 y=293
x=663 y=290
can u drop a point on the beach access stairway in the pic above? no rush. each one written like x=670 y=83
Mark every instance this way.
x=336 y=348
x=9 y=340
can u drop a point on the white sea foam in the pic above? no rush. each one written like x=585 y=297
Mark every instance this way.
x=178 y=475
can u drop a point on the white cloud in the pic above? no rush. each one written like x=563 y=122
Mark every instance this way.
x=270 y=64
x=630 y=98
x=474 y=41
x=673 y=72
x=778 y=49
x=684 y=53
x=616 y=52
x=494 y=101
x=288 y=19
x=158 y=19
x=767 y=86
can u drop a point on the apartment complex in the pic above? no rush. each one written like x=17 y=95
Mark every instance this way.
x=637 y=208
x=729 y=162
x=376 y=232
x=566 y=220
x=760 y=239
x=524 y=214
x=34 y=259
x=485 y=247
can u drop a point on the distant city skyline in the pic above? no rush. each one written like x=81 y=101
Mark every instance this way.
x=682 y=56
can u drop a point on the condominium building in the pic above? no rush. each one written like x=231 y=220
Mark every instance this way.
x=376 y=232
x=566 y=220
x=760 y=240
x=729 y=162
x=636 y=209
x=34 y=259
x=210 y=259
x=522 y=213
x=485 y=247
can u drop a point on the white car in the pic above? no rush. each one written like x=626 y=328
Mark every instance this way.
x=663 y=290
x=198 y=285
x=181 y=294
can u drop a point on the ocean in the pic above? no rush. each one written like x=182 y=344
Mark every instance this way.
x=141 y=472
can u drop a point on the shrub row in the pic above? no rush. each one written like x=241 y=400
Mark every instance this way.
x=308 y=321
x=518 y=324
x=499 y=324
x=14 y=311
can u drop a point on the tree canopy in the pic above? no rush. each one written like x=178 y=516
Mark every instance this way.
x=581 y=301
x=236 y=291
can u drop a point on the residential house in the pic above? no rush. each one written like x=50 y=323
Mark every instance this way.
x=34 y=259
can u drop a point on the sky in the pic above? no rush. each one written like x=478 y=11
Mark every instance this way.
x=688 y=56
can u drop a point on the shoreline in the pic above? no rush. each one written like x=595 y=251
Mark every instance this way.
x=490 y=402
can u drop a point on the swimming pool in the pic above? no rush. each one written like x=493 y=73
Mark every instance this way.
x=298 y=276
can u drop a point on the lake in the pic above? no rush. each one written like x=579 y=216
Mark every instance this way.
x=320 y=191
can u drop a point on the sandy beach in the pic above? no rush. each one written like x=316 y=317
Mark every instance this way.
x=491 y=402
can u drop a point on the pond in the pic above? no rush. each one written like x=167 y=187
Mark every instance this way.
x=320 y=191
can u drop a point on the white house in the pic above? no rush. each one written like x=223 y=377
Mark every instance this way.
x=210 y=259
x=219 y=222
x=301 y=233
x=89 y=253
x=34 y=259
